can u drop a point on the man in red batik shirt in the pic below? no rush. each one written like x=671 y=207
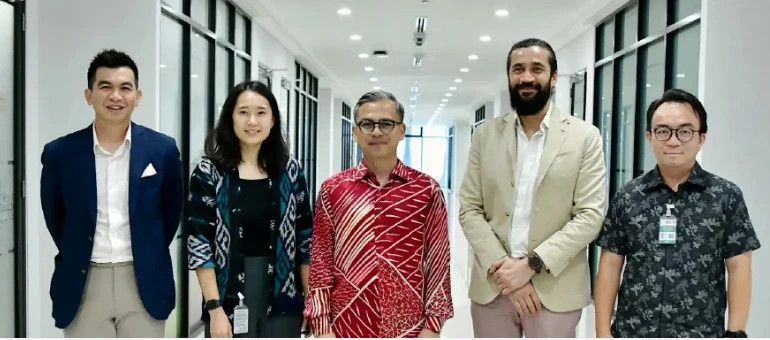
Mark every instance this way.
x=379 y=263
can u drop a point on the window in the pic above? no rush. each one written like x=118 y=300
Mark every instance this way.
x=632 y=73
x=480 y=116
x=578 y=94
x=429 y=149
x=685 y=46
x=349 y=146
x=197 y=70
x=306 y=124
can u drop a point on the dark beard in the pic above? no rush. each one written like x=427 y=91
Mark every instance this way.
x=529 y=106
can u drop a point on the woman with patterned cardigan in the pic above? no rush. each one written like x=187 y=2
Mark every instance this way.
x=250 y=221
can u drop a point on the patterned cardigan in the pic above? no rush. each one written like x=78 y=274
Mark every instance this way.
x=214 y=208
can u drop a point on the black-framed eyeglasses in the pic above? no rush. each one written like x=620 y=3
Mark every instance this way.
x=683 y=134
x=385 y=125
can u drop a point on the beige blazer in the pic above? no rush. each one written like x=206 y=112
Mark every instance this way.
x=567 y=212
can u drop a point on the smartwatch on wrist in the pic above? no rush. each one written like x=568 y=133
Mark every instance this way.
x=735 y=334
x=212 y=304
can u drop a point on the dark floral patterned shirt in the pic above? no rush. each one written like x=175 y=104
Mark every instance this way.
x=676 y=290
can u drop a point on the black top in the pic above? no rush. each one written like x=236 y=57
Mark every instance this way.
x=255 y=217
x=676 y=290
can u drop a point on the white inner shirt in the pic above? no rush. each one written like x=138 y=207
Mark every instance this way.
x=112 y=239
x=528 y=155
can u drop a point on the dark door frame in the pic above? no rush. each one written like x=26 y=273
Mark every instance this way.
x=19 y=192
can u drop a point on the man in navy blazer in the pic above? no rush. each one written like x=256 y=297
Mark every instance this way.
x=112 y=196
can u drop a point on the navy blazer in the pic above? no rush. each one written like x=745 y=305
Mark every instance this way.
x=68 y=197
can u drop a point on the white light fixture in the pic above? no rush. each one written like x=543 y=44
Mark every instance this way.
x=363 y=55
x=368 y=69
x=501 y=13
x=649 y=85
x=376 y=88
x=373 y=79
x=458 y=80
x=452 y=88
x=680 y=75
x=464 y=70
x=448 y=94
x=445 y=100
x=355 y=37
x=344 y=11
x=162 y=65
x=473 y=57
x=442 y=104
x=194 y=76
x=485 y=38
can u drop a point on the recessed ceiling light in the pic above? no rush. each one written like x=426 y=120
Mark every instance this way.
x=344 y=11
x=162 y=65
x=649 y=85
x=368 y=69
x=355 y=37
x=373 y=79
x=376 y=88
x=483 y=38
x=442 y=104
x=464 y=69
x=680 y=75
x=458 y=80
x=499 y=12
x=473 y=57
x=452 y=88
x=448 y=94
x=194 y=76
x=445 y=100
x=363 y=55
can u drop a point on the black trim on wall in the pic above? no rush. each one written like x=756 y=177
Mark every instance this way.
x=182 y=322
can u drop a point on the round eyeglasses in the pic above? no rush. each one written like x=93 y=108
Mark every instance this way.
x=664 y=133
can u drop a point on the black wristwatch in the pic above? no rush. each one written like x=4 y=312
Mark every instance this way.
x=735 y=334
x=212 y=304
x=536 y=263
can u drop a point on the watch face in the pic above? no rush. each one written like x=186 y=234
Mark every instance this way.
x=535 y=262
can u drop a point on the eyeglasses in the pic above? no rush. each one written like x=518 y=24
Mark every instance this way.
x=664 y=133
x=386 y=126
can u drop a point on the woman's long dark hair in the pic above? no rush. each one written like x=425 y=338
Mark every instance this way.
x=223 y=147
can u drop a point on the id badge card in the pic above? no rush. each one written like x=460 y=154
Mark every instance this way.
x=667 y=230
x=240 y=320
x=240 y=317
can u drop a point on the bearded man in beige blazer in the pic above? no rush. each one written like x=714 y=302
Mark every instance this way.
x=531 y=201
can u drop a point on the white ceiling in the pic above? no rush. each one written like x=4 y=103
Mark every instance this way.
x=452 y=34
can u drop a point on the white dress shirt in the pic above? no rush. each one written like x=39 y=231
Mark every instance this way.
x=528 y=155
x=112 y=239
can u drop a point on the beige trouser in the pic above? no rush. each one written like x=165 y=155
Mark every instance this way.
x=111 y=306
x=499 y=319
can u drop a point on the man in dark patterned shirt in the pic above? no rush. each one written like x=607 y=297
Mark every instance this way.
x=675 y=227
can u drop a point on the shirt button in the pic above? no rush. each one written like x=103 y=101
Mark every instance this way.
x=513 y=184
x=90 y=238
x=507 y=213
x=83 y=271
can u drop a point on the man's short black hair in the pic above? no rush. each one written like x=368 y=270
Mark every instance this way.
x=530 y=43
x=111 y=59
x=679 y=96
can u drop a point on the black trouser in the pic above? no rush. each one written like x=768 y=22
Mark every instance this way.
x=256 y=288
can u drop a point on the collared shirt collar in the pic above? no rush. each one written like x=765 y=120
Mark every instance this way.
x=653 y=179
x=400 y=171
x=99 y=148
x=544 y=125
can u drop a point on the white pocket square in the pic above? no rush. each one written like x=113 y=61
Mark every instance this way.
x=149 y=171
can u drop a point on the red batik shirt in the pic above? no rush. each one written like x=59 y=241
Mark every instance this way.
x=379 y=262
